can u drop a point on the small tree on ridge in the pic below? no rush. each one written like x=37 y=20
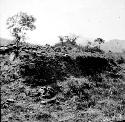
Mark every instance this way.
x=18 y=25
x=100 y=41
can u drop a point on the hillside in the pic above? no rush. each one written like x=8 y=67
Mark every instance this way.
x=114 y=45
x=62 y=83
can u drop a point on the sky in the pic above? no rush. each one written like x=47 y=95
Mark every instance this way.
x=86 y=18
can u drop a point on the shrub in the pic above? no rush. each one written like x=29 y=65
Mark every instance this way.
x=76 y=86
x=42 y=71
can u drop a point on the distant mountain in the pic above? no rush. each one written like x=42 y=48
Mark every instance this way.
x=5 y=42
x=114 y=45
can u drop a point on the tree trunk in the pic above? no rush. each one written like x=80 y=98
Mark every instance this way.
x=17 y=45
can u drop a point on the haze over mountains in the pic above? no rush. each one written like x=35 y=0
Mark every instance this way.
x=114 y=45
x=4 y=42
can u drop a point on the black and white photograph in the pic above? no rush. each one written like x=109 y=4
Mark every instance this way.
x=62 y=60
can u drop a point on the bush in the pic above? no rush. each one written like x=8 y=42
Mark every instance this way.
x=120 y=60
x=91 y=65
x=9 y=72
x=42 y=71
x=76 y=86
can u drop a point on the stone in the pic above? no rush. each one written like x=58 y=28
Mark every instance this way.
x=12 y=56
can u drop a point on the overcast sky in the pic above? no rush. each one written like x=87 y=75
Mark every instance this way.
x=87 y=18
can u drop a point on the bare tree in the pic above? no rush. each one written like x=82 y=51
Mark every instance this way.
x=100 y=41
x=71 y=38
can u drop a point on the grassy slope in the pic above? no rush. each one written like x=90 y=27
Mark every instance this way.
x=80 y=96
